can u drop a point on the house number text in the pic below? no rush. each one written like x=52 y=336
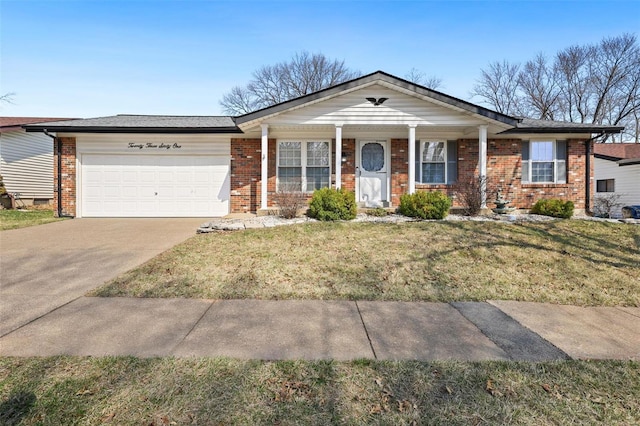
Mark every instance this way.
x=151 y=145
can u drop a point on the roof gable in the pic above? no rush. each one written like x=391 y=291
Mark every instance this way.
x=379 y=78
x=356 y=107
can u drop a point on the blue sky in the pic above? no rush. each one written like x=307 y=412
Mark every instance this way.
x=95 y=58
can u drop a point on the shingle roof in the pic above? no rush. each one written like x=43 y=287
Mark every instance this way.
x=126 y=123
x=531 y=125
x=20 y=121
x=617 y=150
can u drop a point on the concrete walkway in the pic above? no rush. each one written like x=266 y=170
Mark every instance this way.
x=341 y=330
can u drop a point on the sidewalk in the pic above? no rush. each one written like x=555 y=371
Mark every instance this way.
x=341 y=330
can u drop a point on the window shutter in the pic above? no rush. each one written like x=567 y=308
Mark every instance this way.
x=525 y=161
x=452 y=162
x=561 y=161
x=418 y=161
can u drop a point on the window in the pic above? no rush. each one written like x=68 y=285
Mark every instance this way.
x=303 y=165
x=436 y=162
x=544 y=162
x=606 y=185
x=433 y=164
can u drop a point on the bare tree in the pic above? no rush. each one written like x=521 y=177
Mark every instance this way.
x=597 y=83
x=498 y=86
x=418 y=77
x=539 y=87
x=575 y=82
x=7 y=98
x=272 y=84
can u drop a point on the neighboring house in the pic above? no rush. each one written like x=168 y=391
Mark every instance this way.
x=617 y=171
x=378 y=135
x=26 y=160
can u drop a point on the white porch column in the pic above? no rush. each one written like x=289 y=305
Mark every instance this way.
x=412 y=158
x=338 y=156
x=265 y=166
x=482 y=161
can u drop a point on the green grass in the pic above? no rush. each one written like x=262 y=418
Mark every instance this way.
x=69 y=390
x=565 y=261
x=14 y=219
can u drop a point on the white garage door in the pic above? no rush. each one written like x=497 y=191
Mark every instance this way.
x=154 y=186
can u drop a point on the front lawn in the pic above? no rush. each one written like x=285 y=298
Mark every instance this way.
x=566 y=261
x=167 y=391
x=14 y=219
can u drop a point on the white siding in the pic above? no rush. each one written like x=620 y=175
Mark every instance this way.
x=353 y=108
x=26 y=164
x=119 y=144
x=627 y=180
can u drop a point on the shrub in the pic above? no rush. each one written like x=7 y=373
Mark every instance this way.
x=554 y=208
x=425 y=205
x=333 y=204
x=469 y=194
x=290 y=200
x=604 y=205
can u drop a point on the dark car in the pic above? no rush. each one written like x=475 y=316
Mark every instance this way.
x=631 y=212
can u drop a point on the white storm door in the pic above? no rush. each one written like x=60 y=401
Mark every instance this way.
x=373 y=172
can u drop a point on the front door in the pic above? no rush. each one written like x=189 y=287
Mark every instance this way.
x=373 y=171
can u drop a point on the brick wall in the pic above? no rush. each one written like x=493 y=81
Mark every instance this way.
x=246 y=172
x=67 y=176
x=504 y=169
x=245 y=175
x=399 y=169
x=349 y=165
x=504 y=172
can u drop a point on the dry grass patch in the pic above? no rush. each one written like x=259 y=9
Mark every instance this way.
x=69 y=390
x=567 y=261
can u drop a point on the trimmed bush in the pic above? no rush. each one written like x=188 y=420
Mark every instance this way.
x=333 y=204
x=425 y=205
x=553 y=207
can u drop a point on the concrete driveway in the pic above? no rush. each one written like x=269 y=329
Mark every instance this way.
x=47 y=266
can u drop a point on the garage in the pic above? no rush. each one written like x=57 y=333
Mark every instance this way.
x=142 y=165
x=154 y=185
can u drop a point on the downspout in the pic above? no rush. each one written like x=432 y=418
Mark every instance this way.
x=587 y=173
x=58 y=144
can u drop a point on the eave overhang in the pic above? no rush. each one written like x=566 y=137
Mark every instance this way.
x=152 y=130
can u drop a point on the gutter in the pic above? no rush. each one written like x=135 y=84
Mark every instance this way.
x=587 y=172
x=58 y=144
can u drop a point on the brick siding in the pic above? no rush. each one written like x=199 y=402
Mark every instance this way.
x=504 y=170
x=68 y=177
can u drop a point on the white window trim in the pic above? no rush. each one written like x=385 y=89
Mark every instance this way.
x=554 y=143
x=444 y=153
x=303 y=161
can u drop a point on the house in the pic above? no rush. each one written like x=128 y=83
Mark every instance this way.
x=26 y=160
x=617 y=172
x=378 y=135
